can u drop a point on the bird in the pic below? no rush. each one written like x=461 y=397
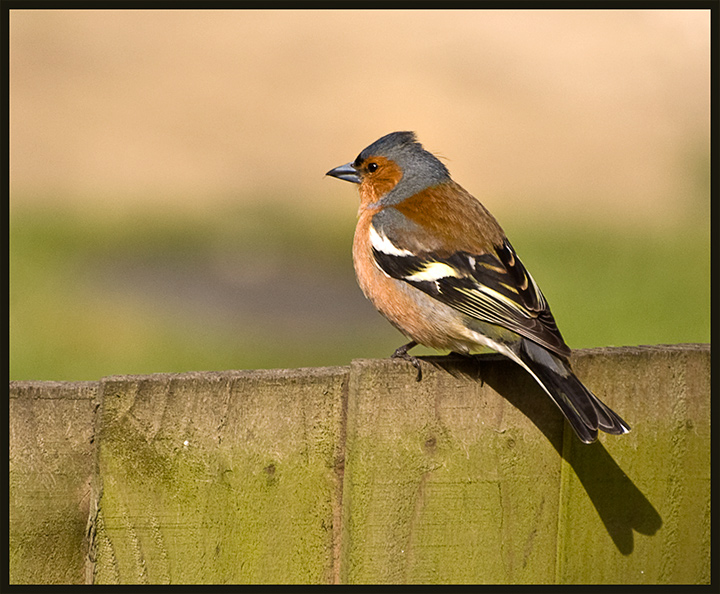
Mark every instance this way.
x=434 y=261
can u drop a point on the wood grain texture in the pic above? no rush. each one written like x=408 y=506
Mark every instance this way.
x=461 y=489
x=641 y=505
x=52 y=468
x=360 y=474
x=220 y=478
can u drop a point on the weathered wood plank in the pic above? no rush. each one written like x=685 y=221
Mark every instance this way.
x=220 y=477
x=52 y=465
x=361 y=474
x=446 y=481
x=639 y=507
x=498 y=500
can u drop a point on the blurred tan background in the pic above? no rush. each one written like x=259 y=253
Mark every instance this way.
x=567 y=108
x=579 y=118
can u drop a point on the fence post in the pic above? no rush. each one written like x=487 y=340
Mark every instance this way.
x=361 y=474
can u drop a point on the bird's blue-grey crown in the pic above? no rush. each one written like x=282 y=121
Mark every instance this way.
x=421 y=169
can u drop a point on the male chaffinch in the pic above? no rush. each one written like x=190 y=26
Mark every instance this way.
x=438 y=266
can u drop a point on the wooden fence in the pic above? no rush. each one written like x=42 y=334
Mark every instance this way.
x=360 y=474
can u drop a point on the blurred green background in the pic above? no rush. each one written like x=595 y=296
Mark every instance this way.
x=169 y=210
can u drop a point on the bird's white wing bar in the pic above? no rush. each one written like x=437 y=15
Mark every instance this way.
x=382 y=244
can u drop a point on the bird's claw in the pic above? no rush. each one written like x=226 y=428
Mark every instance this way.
x=402 y=353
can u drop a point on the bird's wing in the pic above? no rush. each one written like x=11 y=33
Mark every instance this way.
x=493 y=287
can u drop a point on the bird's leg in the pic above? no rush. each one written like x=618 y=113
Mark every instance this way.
x=402 y=353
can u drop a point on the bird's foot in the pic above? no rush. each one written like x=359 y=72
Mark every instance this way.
x=402 y=353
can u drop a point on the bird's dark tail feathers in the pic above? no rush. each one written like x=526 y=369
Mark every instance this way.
x=583 y=410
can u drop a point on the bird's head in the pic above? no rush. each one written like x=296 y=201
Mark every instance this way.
x=393 y=168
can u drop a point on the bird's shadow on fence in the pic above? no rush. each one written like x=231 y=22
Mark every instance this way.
x=620 y=504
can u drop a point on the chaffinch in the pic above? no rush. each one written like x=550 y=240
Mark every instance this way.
x=438 y=266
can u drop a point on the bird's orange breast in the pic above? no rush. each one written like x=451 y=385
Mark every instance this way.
x=415 y=314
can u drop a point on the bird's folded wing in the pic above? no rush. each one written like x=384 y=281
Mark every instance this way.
x=494 y=287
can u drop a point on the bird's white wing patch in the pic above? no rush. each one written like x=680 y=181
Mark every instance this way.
x=432 y=271
x=382 y=244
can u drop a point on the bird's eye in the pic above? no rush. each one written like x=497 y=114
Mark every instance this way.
x=372 y=167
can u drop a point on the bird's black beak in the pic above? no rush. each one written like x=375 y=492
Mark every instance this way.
x=345 y=172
